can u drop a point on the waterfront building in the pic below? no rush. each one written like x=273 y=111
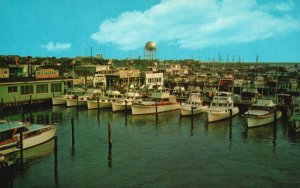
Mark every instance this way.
x=4 y=71
x=23 y=90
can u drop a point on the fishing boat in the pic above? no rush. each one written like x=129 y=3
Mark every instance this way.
x=159 y=101
x=261 y=113
x=125 y=103
x=62 y=99
x=82 y=100
x=193 y=105
x=104 y=101
x=221 y=107
x=33 y=135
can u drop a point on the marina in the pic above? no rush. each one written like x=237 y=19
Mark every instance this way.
x=161 y=93
x=163 y=151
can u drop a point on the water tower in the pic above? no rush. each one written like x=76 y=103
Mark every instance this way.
x=150 y=50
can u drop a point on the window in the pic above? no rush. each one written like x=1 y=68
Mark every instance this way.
x=12 y=89
x=27 y=89
x=56 y=87
x=42 y=88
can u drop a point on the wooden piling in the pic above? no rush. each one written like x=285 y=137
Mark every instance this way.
x=77 y=103
x=2 y=113
x=156 y=111
x=22 y=114
x=126 y=106
x=30 y=107
x=55 y=157
x=21 y=148
x=98 y=105
x=30 y=100
x=275 y=114
x=73 y=132
x=230 y=116
x=192 y=115
x=109 y=136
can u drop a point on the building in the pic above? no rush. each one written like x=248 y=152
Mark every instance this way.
x=37 y=90
x=4 y=71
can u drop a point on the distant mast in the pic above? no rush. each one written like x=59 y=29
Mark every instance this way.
x=256 y=58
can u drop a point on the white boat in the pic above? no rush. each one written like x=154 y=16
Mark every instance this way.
x=105 y=101
x=33 y=135
x=126 y=102
x=194 y=101
x=160 y=100
x=261 y=113
x=62 y=99
x=295 y=119
x=82 y=100
x=221 y=106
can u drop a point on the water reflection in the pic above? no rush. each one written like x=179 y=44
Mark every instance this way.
x=109 y=158
x=259 y=134
x=34 y=153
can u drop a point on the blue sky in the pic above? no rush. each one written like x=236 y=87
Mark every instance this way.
x=182 y=29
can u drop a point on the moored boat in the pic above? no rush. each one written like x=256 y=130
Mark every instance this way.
x=221 y=107
x=159 y=101
x=261 y=113
x=126 y=102
x=295 y=119
x=62 y=99
x=82 y=100
x=104 y=101
x=195 y=101
x=33 y=135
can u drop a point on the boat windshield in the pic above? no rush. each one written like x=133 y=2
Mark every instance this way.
x=6 y=135
x=260 y=108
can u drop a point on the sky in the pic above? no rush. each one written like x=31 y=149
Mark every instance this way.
x=225 y=30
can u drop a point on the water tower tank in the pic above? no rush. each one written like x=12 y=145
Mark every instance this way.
x=150 y=50
x=150 y=46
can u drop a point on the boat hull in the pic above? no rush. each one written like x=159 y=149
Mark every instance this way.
x=73 y=102
x=94 y=104
x=187 y=111
x=59 y=101
x=220 y=115
x=30 y=142
x=139 y=109
x=116 y=107
x=255 y=122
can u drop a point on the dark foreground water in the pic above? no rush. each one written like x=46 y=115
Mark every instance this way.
x=168 y=153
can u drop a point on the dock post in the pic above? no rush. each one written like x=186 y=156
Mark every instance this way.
x=109 y=136
x=156 y=111
x=192 y=115
x=30 y=107
x=275 y=114
x=73 y=132
x=98 y=105
x=30 y=100
x=77 y=103
x=21 y=149
x=126 y=106
x=230 y=111
x=22 y=114
x=2 y=115
x=55 y=158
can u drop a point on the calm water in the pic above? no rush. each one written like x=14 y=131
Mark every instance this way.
x=168 y=153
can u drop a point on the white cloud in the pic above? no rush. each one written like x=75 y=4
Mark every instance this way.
x=51 y=46
x=285 y=6
x=195 y=24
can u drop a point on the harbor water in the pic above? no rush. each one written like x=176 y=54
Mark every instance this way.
x=167 y=152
